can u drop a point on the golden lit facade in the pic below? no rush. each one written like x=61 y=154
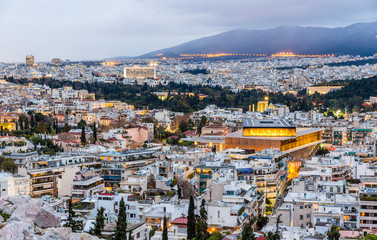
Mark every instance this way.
x=29 y=60
x=140 y=72
x=262 y=105
x=279 y=134
x=57 y=62
x=269 y=132
x=291 y=54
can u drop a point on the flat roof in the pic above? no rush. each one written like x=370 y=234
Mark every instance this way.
x=267 y=123
x=299 y=132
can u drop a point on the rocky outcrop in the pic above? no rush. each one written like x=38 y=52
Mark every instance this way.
x=33 y=219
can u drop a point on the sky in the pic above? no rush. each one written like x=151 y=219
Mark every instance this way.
x=97 y=29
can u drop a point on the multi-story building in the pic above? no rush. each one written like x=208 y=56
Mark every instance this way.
x=14 y=185
x=44 y=181
x=368 y=202
x=258 y=134
x=339 y=136
x=57 y=62
x=29 y=61
x=86 y=184
x=140 y=72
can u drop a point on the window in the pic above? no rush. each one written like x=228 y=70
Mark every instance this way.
x=301 y=207
x=138 y=235
x=301 y=217
x=307 y=215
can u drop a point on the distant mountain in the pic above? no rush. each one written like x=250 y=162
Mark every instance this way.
x=356 y=39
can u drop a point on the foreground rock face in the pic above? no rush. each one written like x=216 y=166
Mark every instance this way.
x=33 y=219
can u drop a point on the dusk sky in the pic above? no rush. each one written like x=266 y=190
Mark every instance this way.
x=96 y=29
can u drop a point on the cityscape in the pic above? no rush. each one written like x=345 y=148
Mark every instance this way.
x=235 y=135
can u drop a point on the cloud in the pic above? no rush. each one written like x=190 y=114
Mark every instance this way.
x=94 y=29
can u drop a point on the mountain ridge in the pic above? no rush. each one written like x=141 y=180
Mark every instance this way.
x=355 y=39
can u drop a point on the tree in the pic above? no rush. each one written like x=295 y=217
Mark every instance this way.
x=201 y=223
x=165 y=230
x=179 y=192
x=201 y=124
x=120 y=232
x=216 y=236
x=41 y=127
x=99 y=224
x=333 y=234
x=71 y=220
x=261 y=221
x=130 y=235
x=183 y=126
x=247 y=232
x=186 y=188
x=151 y=182
x=275 y=235
x=83 y=136
x=322 y=151
x=191 y=231
x=277 y=230
x=39 y=117
x=7 y=164
x=66 y=127
x=81 y=124
x=95 y=132
x=370 y=237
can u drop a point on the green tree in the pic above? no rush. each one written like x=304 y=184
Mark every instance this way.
x=191 y=232
x=247 y=232
x=165 y=230
x=95 y=132
x=83 y=136
x=216 y=236
x=183 y=126
x=81 y=124
x=41 y=127
x=39 y=117
x=370 y=237
x=74 y=224
x=99 y=224
x=333 y=234
x=261 y=221
x=7 y=164
x=201 y=124
x=120 y=232
x=201 y=223
x=179 y=192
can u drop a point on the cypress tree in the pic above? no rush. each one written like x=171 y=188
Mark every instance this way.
x=201 y=223
x=71 y=222
x=247 y=232
x=179 y=192
x=99 y=225
x=121 y=223
x=83 y=137
x=165 y=230
x=191 y=233
x=95 y=132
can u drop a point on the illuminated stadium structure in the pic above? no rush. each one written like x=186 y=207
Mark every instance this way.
x=259 y=134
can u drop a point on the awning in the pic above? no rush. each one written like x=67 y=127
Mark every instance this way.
x=43 y=163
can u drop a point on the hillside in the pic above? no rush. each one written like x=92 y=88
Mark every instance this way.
x=356 y=39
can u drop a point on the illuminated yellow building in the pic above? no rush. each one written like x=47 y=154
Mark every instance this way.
x=140 y=72
x=29 y=60
x=8 y=125
x=262 y=105
x=259 y=134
